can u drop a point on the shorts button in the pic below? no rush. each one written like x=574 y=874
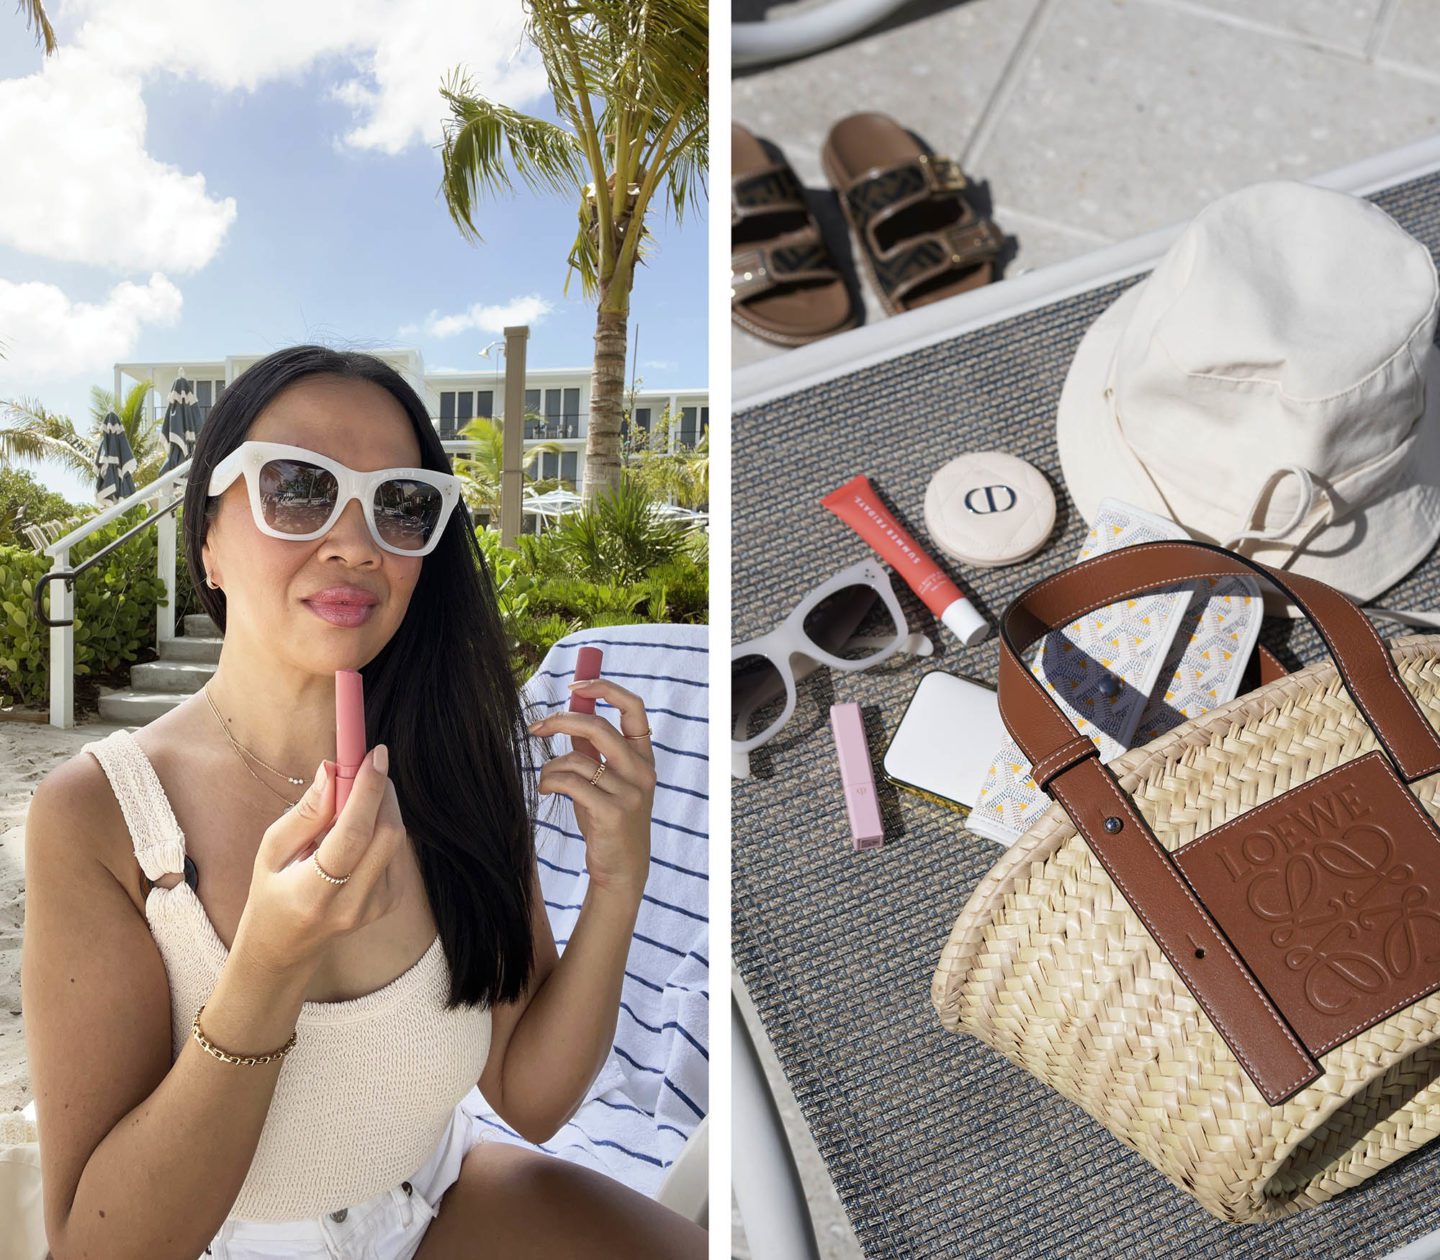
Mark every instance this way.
x=340 y=1215
x=406 y=1186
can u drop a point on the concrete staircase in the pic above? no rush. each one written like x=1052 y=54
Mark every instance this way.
x=185 y=665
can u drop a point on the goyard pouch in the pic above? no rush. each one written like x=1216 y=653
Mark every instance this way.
x=1224 y=945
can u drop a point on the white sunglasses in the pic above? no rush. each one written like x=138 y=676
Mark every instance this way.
x=299 y=494
x=821 y=625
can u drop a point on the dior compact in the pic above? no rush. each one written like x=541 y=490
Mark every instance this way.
x=989 y=508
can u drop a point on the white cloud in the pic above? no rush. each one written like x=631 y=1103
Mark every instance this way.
x=491 y=319
x=73 y=133
x=396 y=90
x=661 y=365
x=82 y=188
x=391 y=59
x=48 y=337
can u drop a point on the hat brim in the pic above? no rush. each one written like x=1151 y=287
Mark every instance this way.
x=1364 y=554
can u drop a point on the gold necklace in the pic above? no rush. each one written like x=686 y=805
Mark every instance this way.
x=242 y=752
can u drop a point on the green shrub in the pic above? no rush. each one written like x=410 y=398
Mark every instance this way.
x=24 y=501
x=114 y=614
x=607 y=566
x=617 y=537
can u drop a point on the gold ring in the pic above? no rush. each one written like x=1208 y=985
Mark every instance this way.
x=322 y=872
x=599 y=770
x=645 y=734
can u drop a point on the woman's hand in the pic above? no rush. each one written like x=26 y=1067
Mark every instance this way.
x=292 y=914
x=614 y=809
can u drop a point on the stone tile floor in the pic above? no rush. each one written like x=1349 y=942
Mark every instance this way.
x=1086 y=122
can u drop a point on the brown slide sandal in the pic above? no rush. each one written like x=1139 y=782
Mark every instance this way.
x=921 y=239
x=784 y=285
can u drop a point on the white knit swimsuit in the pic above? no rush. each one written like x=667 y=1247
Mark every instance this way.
x=372 y=1082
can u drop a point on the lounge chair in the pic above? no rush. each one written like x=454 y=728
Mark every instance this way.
x=937 y=1145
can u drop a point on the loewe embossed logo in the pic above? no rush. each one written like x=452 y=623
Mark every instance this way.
x=1283 y=868
x=1329 y=892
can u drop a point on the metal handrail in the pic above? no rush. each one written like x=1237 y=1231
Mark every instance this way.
x=68 y=576
x=117 y=510
x=60 y=618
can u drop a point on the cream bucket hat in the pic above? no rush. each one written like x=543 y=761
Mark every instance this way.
x=1273 y=387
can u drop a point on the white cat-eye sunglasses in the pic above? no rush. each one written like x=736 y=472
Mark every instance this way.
x=823 y=629
x=299 y=494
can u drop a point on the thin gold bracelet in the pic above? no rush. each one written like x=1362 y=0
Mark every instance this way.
x=248 y=1060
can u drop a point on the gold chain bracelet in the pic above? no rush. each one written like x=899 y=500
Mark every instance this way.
x=249 y=1060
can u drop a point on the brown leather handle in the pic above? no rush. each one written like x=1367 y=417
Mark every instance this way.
x=1052 y=744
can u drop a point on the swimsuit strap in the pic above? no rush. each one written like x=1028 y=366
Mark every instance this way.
x=159 y=843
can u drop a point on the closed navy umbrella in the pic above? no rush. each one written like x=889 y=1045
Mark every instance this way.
x=114 y=463
x=182 y=423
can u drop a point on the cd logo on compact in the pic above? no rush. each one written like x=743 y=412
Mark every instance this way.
x=985 y=500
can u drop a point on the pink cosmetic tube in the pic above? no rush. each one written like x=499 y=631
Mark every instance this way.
x=587 y=667
x=867 y=831
x=349 y=732
x=857 y=504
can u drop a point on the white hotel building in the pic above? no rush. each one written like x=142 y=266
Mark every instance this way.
x=560 y=396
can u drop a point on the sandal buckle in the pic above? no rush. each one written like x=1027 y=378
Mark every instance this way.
x=943 y=174
x=973 y=243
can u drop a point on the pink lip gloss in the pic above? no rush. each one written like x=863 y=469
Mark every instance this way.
x=867 y=830
x=857 y=504
x=349 y=732
x=587 y=666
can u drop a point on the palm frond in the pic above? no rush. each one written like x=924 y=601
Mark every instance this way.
x=685 y=178
x=31 y=434
x=485 y=141
x=480 y=466
x=37 y=21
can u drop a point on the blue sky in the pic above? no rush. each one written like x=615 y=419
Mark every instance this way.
x=243 y=205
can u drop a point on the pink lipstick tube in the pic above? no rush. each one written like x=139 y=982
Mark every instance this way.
x=349 y=732
x=867 y=829
x=587 y=666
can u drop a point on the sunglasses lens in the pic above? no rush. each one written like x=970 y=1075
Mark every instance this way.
x=406 y=512
x=296 y=497
x=299 y=497
x=757 y=695
x=853 y=623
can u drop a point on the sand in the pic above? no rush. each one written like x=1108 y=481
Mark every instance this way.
x=28 y=751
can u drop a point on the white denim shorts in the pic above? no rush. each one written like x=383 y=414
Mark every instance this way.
x=388 y=1226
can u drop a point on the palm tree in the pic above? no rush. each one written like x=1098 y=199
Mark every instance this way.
x=31 y=433
x=479 y=466
x=37 y=21
x=680 y=476
x=629 y=80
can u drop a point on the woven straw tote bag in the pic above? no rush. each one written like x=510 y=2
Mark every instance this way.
x=1224 y=945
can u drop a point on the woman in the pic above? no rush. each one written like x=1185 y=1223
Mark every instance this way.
x=196 y=914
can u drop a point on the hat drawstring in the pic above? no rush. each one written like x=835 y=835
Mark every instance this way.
x=1309 y=489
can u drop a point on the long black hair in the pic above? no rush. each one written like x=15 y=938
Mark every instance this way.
x=440 y=696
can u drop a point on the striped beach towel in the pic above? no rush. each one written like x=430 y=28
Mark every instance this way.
x=653 y=1089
